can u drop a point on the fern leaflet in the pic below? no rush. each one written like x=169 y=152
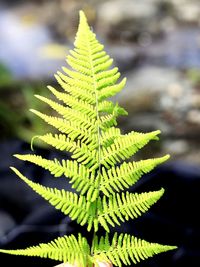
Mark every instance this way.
x=124 y=249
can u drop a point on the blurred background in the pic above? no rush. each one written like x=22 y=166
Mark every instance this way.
x=156 y=45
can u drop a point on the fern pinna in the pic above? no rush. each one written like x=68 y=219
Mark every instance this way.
x=88 y=130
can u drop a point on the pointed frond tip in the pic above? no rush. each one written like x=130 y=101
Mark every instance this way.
x=64 y=249
x=82 y=16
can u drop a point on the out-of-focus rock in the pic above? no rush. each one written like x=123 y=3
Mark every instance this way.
x=125 y=57
x=157 y=98
x=163 y=98
x=6 y=223
x=156 y=89
x=128 y=19
x=115 y=12
x=188 y=11
x=195 y=100
x=176 y=147
x=193 y=116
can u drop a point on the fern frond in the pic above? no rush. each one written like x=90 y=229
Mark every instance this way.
x=72 y=129
x=125 y=147
x=74 y=83
x=81 y=152
x=77 y=91
x=108 y=81
x=108 y=121
x=96 y=65
x=123 y=207
x=108 y=74
x=109 y=136
x=77 y=75
x=127 y=174
x=69 y=113
x=75 y=103
x=110 y=91
x=124 y=249
x=69 y=203
x=86 y=123
x=55 y=167
x=109 y=107
x=63 y=249
x=81 y=178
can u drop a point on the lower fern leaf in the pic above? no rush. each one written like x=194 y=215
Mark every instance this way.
x=125 y=249
x=69 y=203
x=64 y=249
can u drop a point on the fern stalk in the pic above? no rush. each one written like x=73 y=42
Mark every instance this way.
x=98 y=149
x=97 y=170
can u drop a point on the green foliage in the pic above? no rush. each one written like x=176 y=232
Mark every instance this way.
x=97 y=169
x=66 y=248
x=15 y=119
x=194 y=77
x=5 y=76
x=125 y=248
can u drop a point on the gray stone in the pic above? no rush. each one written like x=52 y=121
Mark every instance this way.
x=7 y=223
x=188 y=11
x=115 y=12
x=124 y=56
x=155 y=88
x=193 y=116
x=127 y=19
x=157 y=98
x=176 y=147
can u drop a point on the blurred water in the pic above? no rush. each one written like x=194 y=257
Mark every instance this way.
x=187 y=52
x=20 y=47
x=180 y=48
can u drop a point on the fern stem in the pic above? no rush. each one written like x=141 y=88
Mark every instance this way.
x=98 y=137
x=93 y=243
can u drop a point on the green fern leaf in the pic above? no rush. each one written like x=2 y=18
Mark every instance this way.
x=77 y=91
x=69 y=203
x=53 y=166
x=125 y=147
x=81 y=178
x=111 y=90
x=63 y=249
x=120 y=208
x=109 y=136
x=78 y=104
x=72 y=129
x=69 y=113
x=127 y=174
x=61 y=142
x=110 y=107
x=125 y=249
